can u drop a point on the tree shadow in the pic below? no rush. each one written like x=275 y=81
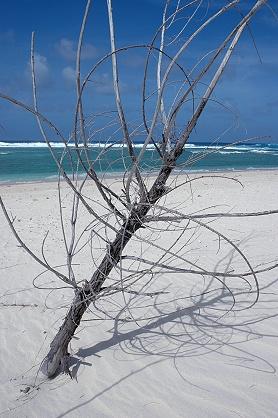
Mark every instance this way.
x=194 y=330
x=211 y=322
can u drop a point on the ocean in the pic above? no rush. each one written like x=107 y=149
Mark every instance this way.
x=31 y=161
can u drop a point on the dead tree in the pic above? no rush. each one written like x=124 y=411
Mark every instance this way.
x=140 y=205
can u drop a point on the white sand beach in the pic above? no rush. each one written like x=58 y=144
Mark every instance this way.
x=183 y=356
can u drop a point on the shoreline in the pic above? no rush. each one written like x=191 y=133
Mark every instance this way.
x=118 y=175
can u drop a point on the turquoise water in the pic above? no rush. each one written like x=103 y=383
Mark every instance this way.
x=32 y=161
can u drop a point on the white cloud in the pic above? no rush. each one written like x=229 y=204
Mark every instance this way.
x=67 y=49
x=69 y=74
x=41 y=69
x=103 y=84
x=89 y=51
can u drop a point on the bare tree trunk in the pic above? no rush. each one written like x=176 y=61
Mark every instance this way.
x=58 y=353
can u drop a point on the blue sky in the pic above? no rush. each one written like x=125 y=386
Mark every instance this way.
x=249 y=88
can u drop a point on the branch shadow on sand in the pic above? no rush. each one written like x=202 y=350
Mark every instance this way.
x=193 y=331
x=193 y=326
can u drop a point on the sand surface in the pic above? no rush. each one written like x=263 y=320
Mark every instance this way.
x=183 y=357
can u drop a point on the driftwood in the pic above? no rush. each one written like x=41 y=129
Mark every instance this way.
x=134 y=209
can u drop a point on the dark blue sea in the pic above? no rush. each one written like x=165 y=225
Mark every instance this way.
x=31 y=161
